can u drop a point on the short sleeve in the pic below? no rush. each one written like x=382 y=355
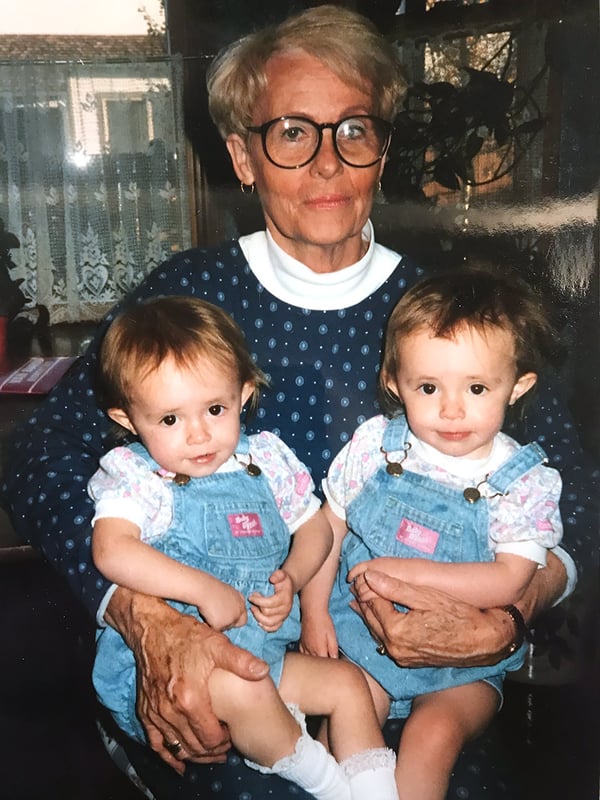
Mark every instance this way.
x=124 y=487
x=528 y=517
x=354 y=465
x=288 y=477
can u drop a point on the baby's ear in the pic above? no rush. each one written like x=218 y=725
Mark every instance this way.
x=388 y=382
x=390 y=385
x=121 y=418
x=247 y=392
x=522 y=386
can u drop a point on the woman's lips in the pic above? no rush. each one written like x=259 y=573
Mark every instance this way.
x=327 y=201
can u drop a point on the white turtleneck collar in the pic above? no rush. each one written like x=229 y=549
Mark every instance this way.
x=293 y=282
x=473 y=469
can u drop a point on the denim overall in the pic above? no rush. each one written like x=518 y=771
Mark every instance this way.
x=226 y=524
x=403 y=514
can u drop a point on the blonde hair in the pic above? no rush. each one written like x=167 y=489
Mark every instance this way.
x=477 y=298
x=344 y=41
x=182 y=328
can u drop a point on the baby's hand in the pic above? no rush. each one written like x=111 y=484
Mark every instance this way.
x=226 y=607
x=396 y=567
x=410 y=570
x=270 y=612
x=318 y=637
x=389 y=566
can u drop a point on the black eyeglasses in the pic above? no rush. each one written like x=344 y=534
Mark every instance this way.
x=292 y=142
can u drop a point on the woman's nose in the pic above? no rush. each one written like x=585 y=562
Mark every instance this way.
x=326 y=162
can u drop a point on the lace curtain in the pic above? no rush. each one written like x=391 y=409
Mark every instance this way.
x=92 y=178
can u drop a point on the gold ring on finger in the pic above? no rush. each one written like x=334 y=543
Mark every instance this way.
x=174 y=747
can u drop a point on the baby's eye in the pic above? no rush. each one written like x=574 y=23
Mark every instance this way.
x=169 y=419
x=216 y=410
x=477 y=388
x=427 y=388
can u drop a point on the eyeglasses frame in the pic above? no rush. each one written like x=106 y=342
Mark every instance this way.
x=320 y=127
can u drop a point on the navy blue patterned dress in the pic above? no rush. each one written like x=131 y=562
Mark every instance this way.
x=323 y=367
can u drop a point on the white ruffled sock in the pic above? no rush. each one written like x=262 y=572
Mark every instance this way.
x=371 y=774
x=310 y=767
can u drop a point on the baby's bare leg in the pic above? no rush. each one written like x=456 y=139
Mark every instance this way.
x=434 y=734
x=380 y=699
x=250 y=708
x=338 y=690
x=273 y=737
x=267 y=733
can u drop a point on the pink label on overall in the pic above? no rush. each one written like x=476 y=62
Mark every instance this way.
x=245 y=525
x=417 y=536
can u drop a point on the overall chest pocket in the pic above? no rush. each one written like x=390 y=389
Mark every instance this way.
x=401 y=529
x=233 y=531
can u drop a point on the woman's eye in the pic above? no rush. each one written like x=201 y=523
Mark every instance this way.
x=292 y=134
x=478 y=388
x=216 y=410
x=427 y=388
x=169 y=420
x=353 y=130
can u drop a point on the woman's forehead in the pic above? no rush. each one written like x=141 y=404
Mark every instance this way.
x=298 y=83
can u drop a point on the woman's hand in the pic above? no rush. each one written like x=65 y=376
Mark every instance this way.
x=270 y=612
x=437 y=631
x=441 y=631
x=175 y=656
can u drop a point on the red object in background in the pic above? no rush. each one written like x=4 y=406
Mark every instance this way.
x=36 y=376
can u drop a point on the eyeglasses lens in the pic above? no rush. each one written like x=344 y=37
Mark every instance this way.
x=293 y=142
x=361 y=140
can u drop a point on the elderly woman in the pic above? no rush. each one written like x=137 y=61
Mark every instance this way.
x=305 y=109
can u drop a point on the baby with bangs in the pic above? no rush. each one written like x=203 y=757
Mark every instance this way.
x=434 y=494
x=226 y=528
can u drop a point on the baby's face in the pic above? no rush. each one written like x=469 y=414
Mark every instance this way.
x=456 y=390
x=189 y=419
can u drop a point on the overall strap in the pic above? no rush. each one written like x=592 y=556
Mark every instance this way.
x=395 y=435
x=243 y=446
x=139 y=449
x=521 y=462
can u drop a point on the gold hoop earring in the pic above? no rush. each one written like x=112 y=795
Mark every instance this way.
x=247 y=188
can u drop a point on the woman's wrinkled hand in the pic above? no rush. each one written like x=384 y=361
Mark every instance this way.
x=175 y=656
x=438 y=630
